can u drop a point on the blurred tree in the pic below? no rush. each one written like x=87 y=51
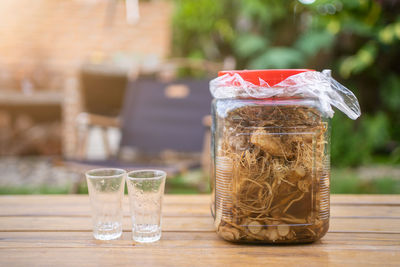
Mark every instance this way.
x=358 y=39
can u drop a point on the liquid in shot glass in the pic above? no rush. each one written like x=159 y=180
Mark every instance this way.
x=106 y=192
x=146 y=191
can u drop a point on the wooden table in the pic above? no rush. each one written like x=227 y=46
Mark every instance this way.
x=56 y=230
x=39 y=106
x=10 y=97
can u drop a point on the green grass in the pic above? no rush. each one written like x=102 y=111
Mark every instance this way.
x=343 y=181
x=193 y=182
x=346 y=181
x=25 y=190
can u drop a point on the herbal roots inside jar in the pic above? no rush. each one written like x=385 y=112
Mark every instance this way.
x=272 y=181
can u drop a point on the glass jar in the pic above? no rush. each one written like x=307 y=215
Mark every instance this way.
x=271 y=162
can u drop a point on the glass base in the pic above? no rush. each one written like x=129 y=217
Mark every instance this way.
x=107 y=231
x=107 y=236
x=146 y=233
x=147 y=239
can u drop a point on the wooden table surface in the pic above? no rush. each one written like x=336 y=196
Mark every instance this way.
x=56 y=230
x=9 y=97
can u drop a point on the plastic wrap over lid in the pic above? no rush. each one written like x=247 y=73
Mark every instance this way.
x=287 y=83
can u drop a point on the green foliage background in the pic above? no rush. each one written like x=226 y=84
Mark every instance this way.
x=358 y=39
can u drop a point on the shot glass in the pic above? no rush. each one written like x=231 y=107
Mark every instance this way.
x=106 y=192
x=146 y=191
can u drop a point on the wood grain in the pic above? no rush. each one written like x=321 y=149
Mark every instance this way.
x=189 y=256
x=187 y=239
x=189 y=223
x=56 y=231
x=178 y=205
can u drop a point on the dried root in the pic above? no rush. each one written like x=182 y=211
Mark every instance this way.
x=277 y=156
x=229 y=233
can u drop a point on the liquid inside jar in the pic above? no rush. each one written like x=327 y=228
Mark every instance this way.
x=271 y=173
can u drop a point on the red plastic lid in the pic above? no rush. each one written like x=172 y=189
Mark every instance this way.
x=271 y=76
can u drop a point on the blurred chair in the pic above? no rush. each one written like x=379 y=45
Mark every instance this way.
x=161 y=127
x=103 y=89
x=163 y=122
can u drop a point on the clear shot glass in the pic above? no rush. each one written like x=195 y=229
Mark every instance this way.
x=106 y=192
x=146 y=191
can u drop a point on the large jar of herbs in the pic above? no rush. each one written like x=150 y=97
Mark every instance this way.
x=270 y=153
